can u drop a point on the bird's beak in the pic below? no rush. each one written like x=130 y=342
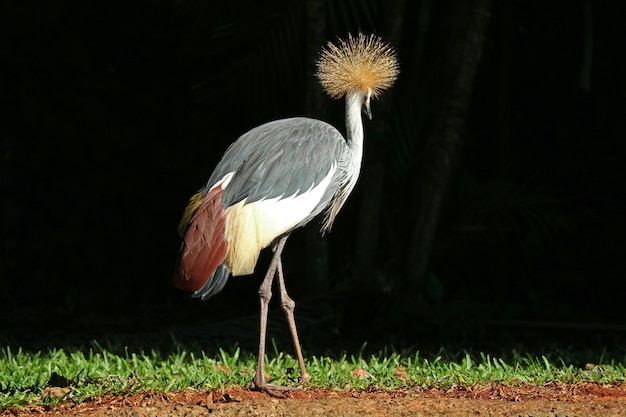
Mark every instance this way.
x=366 y=108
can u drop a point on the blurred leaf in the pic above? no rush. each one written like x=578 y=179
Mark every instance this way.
x=435 y=288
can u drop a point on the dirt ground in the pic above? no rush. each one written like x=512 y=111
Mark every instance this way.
x=555 y=399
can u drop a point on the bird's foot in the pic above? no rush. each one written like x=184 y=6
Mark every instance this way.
x=304 y=379
x=277 y=391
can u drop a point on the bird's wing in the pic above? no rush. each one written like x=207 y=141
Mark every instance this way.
x=273 y=179
x=204 y=247
x=280 y=159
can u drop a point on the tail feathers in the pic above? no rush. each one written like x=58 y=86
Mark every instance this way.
x=204 y=246
x=214 y=285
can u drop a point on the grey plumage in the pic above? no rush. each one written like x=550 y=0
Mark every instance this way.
x=214 y=285
x=281 y=159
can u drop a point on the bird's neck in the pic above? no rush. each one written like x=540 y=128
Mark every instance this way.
x=354 y=123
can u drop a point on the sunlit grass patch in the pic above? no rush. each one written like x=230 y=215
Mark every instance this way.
x=59 y=375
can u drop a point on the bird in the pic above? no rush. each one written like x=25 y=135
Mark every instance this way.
x=275 y=179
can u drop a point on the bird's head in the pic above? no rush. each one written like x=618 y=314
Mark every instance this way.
x=363 y=64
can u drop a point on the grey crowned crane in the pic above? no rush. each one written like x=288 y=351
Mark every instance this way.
x=276 y=178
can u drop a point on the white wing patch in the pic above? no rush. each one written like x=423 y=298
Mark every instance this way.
x=252 y=227
x=223 y=183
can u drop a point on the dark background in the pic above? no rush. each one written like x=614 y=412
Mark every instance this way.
x=112 y=113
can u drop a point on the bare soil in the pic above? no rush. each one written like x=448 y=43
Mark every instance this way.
x=554 y=399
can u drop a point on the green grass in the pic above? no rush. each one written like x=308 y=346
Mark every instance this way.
x=25 y=376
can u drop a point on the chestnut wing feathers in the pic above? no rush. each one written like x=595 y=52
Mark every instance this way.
x=204 y=244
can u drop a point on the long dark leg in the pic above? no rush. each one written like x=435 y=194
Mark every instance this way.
x=265 y=294
x=288 y=306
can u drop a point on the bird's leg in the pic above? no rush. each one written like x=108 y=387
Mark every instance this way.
x=265 y=294
x=288 y=306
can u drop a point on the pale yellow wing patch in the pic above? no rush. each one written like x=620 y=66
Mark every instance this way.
x=194 y=202
x=252 y=227
x=247 y=231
